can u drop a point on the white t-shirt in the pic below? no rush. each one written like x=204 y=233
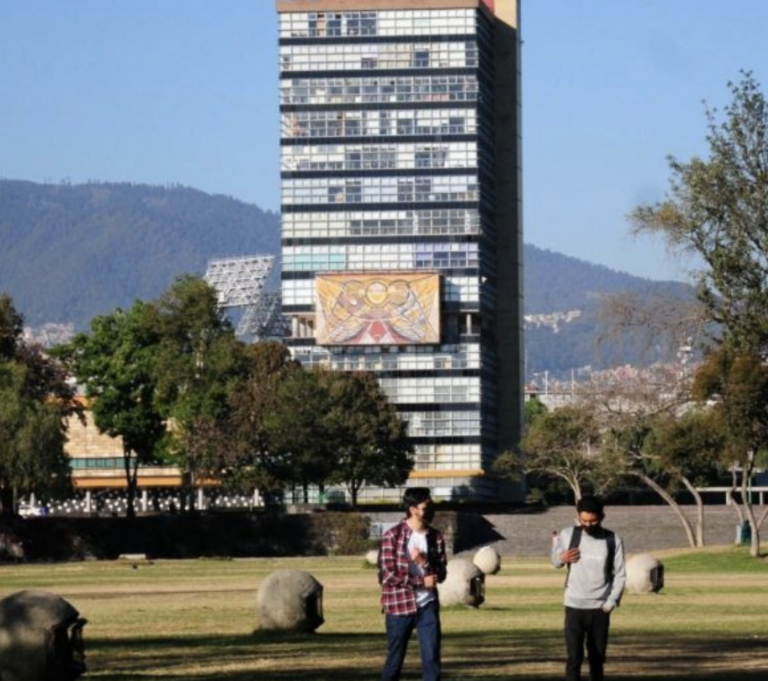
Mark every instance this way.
x=418 y=540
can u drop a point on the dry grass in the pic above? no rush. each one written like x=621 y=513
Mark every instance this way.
x=196 y=620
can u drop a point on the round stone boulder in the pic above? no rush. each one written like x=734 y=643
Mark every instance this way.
x=488 y=560
x=464 y=583
x=645 y=574
x=290 y=600
x=40 y=638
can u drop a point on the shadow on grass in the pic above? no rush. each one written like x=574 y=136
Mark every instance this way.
x=489 y=656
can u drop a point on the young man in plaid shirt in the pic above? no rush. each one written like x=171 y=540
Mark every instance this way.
x=412 y=563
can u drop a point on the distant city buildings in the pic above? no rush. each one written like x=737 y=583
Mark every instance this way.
x=401 y=216
x=551 y=320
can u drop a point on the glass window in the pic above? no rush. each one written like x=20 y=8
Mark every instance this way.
x=420 y=59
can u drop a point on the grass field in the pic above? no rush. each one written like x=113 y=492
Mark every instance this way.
x=196 y=620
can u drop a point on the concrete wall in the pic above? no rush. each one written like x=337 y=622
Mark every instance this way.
x=529 y=533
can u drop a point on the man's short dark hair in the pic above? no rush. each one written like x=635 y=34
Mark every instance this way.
x=414 y=496
x=590 y=505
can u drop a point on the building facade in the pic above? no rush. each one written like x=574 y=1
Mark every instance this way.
x=401 y=216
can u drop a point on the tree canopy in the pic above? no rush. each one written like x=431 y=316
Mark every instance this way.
x=115 y=363
x=35 y=400
x=718 y=211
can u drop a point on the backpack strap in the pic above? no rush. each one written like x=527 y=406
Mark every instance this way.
x=576 y=537
x=574 y=544
x=610 y=540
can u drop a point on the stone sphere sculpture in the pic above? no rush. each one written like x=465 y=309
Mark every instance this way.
x=290 y=600
x=372 y=557
x=488 y=560
x=464 y=583
x=645 y=574
x=40 y=638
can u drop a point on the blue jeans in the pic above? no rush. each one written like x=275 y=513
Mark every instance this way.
x=399 y=629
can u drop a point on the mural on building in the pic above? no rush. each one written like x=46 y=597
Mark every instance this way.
x=377 y=308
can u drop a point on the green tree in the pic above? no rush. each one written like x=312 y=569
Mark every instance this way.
x=533 y=409
x=11 y=327
x=643 y=434
x=248 y=463
x=509 y=464
x=736 y=386
x=680 y=452
x=563 y=443
x=197 y=359
x=296 y=428
x=116 y=363
x=718 y=211
x=369 y=437
x=35 y=401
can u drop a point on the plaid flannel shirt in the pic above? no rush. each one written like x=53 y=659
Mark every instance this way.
x=398 y=586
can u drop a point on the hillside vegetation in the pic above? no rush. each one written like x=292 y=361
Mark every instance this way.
x=72 y=252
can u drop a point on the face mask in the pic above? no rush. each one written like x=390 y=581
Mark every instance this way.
x=592 y=530
x=429 y=513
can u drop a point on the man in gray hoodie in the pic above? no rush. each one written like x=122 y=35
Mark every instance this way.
x=596 y=577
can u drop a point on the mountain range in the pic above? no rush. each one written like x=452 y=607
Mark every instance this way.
x=71 y=252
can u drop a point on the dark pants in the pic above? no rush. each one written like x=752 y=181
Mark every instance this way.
x=399 y=629
x=590 y=627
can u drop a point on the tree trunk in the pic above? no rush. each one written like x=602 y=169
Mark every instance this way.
x=762 y=517
x=699 y=511
x=672 y=503
x=573 y=483
x=749 y=512
x=735 y=504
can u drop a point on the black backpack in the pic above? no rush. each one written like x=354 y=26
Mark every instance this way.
x=610 y=539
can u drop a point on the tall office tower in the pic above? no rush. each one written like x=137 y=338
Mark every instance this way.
x=401 y=216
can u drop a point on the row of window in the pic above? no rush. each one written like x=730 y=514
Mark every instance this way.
x=430 y=390
x=467 y=357
x=379 y=157
x=455 y=290
x=383 y=223
x=380 y=190
x=442 y=423
x=433 y=88
x=80 y=463
x=381 y=23
x=302 y=58
x=457 y=457
x=352 y=57
x=375 y=256
x=378 y=123
x=317 y=355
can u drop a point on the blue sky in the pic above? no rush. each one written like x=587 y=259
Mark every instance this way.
x=185 y=91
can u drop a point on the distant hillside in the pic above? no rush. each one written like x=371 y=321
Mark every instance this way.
x=72 y=252
x=555 y=282
x=562 y=298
